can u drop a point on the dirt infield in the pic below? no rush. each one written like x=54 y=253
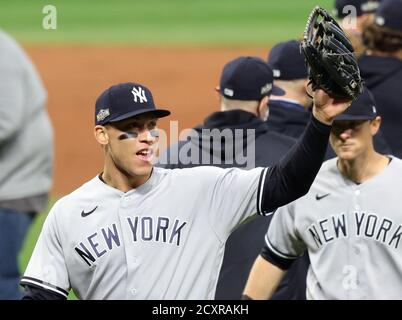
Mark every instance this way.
x=181 y=80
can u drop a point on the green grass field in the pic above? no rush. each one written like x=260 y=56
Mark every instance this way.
x=160 y=22
x=154 y=23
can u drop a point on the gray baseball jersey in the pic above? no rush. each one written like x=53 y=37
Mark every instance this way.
x=162 y=240
x=351 y=231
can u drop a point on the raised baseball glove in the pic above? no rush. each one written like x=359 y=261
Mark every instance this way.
x=330 y=57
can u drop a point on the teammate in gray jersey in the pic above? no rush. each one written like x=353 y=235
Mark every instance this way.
x=138 y=232
x=350 y=221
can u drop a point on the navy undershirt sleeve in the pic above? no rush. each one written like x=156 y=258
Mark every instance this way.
x=270 y=256
x=293 y=175
x=33 y=292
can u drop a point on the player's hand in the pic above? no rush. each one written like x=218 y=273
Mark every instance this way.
x=325 y=108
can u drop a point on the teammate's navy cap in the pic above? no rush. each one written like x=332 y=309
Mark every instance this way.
x=389 y=14
x=363 y=108
x=362 y=7
x=248 y=78
x=287 y=62
x=123 y=101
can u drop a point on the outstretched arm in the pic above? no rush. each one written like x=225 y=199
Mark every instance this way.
x=292 y=177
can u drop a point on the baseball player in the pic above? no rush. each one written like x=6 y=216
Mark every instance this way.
x=289 y=114
x=352 y=238
x=139 y=232
x=26 y=157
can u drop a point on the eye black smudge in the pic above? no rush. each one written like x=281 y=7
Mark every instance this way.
x=128 y=135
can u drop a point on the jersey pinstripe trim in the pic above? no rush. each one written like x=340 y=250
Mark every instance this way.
x=260 y=191
x=277 y=252
x=45 y=285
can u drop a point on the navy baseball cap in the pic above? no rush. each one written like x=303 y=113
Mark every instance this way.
x=389 y=14
x=248 y=78
x=363 y=108
x=362 y=7
x=123 y=101
x=287 y=62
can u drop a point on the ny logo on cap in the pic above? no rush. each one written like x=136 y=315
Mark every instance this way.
x=102 y=114
x=140 y=94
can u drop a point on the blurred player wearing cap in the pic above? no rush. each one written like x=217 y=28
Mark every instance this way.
x=289 y=113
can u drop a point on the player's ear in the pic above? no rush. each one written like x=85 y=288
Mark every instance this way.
x=304 y=87
x=263 y=108
x=101 y=135
x=375 y=125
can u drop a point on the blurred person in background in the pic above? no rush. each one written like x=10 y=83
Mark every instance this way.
x=381 y=69
x=26 y=157
x=290 y=113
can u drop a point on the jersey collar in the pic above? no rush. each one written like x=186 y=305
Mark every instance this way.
x=144 y=188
